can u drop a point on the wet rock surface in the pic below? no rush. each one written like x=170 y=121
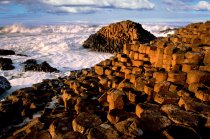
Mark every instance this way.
x=6 y=52
x=112 y=38
x=158 y=90
x=32 y=65
x=6 y=64
x=4 y=84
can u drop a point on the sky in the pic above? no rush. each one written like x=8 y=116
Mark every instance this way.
x=102 y=11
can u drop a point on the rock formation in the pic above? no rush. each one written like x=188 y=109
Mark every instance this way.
x=6 y=64
x=156 y=90
x=6 y=52
x=4 y=84
x=32 y=65
x=112 y=38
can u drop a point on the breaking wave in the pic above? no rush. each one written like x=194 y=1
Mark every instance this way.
x=157 y=30
x=18 y=28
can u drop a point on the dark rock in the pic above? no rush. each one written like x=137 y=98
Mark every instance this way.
x=112 y=38
x=6 y=64
x=85 y=121
x=30 y=61
x=180 y=132
x=182 y=117
x=104 y=131
x=59 y=127
x=6 y=52
x=4 y=84
x=43 y=134
x=86 y=106
x=22 y=55
x=31 y=127
x=129 y=127
x=73 y=135
x=151 y=118
x=116 y=115
x=31 y=65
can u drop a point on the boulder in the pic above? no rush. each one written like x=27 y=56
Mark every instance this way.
x=59 y=127
x=207 y=57
x=154 y=122
x=181 y=117
x=6 y=52
x=194 y=105
x=151 y=119
x=197 y=57
x=189 y=67
x=203 y=93
x=164 y=86
x=129 y=127
x=196 y=76
x=85 y=121
x=144 y=107
x=160 y=76
x=166 y=97
x=73 y=135
x=32 y=65
x=4 y=84
x=115 y=99
x=86 y=105
x=116 y=115
x=6 y=64
x=180 y=132
x=99 y=69
x=31 y=127
x=177 y=77
x=103 y=131
x=67 y=94
x=43 y=134
x=112 y=38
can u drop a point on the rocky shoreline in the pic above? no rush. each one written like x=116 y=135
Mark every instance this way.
x=111 y=38
x=156 y=90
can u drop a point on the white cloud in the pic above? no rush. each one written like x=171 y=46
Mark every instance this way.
x=75 y=6
x=4 y=2
x=77 y=9
x=202 y=5
x=185 y=5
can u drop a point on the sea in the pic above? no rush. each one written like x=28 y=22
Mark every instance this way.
x=59 y=45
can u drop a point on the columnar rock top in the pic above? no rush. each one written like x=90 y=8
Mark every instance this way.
x=112 y=38
x=156 y=90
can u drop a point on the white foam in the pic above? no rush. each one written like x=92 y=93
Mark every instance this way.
x=60 y=46
x=157 y=29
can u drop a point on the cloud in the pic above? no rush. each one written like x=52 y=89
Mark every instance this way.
x=175 y=3
x=83 y=9
x=4 y=2
x=83 y=6
x=187 y=5
x=202 y=6
x=128 y=4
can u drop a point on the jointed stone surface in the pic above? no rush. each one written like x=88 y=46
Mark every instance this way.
x=156 y=90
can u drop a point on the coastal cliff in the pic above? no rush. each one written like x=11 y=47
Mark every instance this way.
x=111 y=38
x=160 y=89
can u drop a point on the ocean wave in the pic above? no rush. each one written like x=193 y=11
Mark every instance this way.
x=18 y=28
x=157 y=30
x=160 y=30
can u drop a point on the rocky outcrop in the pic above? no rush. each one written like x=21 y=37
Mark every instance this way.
x=4 y=84
x=112 y=38
x=32 y=65
x=6 y=64
x=6 y=52
x=156 y=90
